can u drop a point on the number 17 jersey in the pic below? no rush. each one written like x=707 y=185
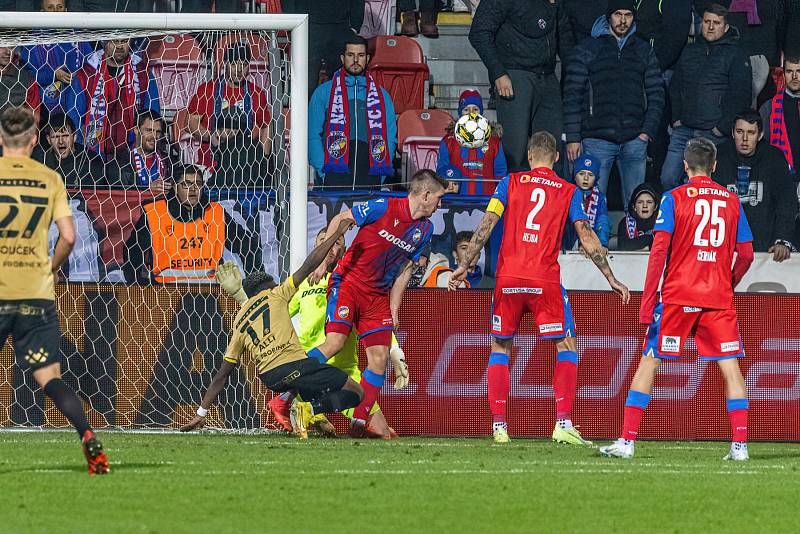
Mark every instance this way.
x=535 y=206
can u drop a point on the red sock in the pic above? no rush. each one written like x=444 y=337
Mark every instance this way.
x=631 y=422
x=371 y=383
x=738 y=419
x=498 y=378
x=565 y=382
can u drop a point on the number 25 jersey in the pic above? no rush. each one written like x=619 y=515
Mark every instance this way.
x=535 y=206
x=705 y=221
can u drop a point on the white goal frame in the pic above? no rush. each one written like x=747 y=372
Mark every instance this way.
x=297 y=25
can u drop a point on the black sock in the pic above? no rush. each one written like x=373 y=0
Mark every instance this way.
x=335 y=401
x=67 y=403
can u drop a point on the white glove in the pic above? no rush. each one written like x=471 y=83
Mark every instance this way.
x=400 y=368
x=230 y=278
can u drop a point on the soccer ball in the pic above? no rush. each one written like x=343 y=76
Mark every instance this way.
x=472 y=131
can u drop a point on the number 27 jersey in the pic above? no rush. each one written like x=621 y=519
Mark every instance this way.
x=535 y=206
x=705 y=221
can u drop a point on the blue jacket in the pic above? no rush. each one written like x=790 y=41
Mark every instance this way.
x=318 y=116
x=43 y=60
x=601 y=225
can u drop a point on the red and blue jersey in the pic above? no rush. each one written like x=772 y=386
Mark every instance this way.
x=705 y=221
x=387 y=238
x=536 y=205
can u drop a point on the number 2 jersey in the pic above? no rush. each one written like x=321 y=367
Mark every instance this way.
x=387 y=238
x=32 y=196
x=705 y=221
x=535 y=206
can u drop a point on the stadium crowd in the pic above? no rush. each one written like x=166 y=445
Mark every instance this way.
x=623 y=83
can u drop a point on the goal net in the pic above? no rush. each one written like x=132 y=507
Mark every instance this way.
x=172 y=133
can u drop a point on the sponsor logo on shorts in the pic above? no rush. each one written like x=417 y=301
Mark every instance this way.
x=343 y=312
x=387 y=322
x=551 y=327
x=670 y=344
x=691 y=309
x=497 y=323
x=515 y=290
x=730 y=346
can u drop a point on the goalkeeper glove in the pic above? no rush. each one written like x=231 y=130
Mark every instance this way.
x=230 y=278
x=400 y=368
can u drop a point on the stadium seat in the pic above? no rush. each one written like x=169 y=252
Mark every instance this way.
x=379 y=18
x=114 y=213
x=419 y=153
x=398 y=65
x=178 y=66
x=422 y=123
x=259 y=47
x=179 y=134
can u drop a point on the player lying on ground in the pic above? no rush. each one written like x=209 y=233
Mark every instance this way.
x=535 y=205
x=700 y=226
x=31 y=197
x=366 y=288
x=263 y=328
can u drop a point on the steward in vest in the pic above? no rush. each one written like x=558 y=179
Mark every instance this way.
x=181 y=237
x=478 y=169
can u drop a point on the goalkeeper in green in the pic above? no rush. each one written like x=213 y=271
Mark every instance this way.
x=307 y=308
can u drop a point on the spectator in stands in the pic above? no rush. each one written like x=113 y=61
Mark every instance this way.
x=60 y=153
x=108 y=93
x=782 y=115
x=635 y=230
x=586 y=169
x=475 y=274
x=758 y=172
x=711 y=84
x=475 y=171
x=613 y=97
x=54 y=64
x=330 y=23
x=518 y=41
x=415 y=20
x=146 y=165
x=354 y=149
x=17 y=86
x=231 y=116
x=182 y=237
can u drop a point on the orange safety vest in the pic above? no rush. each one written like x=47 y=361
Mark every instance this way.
x=434 y=276
x=185 y=252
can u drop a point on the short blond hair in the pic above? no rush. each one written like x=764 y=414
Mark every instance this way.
x=17 y=126
x=542 y=146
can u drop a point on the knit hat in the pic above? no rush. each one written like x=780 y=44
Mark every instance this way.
x=586 y=162
x=620 y=5
x=470 y=96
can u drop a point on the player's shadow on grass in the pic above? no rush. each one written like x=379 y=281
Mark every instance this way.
x=79 y=468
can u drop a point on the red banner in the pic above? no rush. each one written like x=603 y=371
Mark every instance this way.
x=446 y=340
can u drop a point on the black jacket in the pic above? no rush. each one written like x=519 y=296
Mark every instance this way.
x=712 y=83
x=641 y=229
x=760 y=38
x=350 y=12
x=81 y=169
x=138 y=253
x=789 y=36
x=611 y=93
x=771 y=202
x=520 y=34
x=582 y=14
x=665 y=25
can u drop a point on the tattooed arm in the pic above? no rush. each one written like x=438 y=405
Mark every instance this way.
x=479 y=239
x=597 y=253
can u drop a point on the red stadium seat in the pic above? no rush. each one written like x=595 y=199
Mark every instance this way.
x=419 y=153
x=178 y=66
x=179 y=132
x=114 y=214
x=422 y=123
x=398 y=65
x=379 y=18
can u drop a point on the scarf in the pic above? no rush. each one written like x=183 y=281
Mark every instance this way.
x=145 y=174
x=219 y=101
x=337 y=129
x=746 y=6
x=631 y=227
x=591 y=199
x=101 y=87
x=778 y=136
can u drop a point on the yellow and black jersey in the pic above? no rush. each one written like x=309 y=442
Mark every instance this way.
x=263 y=328
x=31 y=197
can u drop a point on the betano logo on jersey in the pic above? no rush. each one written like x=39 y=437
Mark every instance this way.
x=403 y=245
x=525 y=178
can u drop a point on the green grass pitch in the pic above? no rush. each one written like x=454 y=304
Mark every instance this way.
x=275 y=483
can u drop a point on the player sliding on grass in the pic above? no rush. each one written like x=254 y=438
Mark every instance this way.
x=700 y=225
x=366 y=288
x=536 y=205
x=31 y=197
x=264 y=329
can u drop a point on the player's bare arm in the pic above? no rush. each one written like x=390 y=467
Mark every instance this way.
x=66 y=240
x=479 y=239
x=597 y=253
x=398 y=288
x=320 y=252
x=213 y=391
